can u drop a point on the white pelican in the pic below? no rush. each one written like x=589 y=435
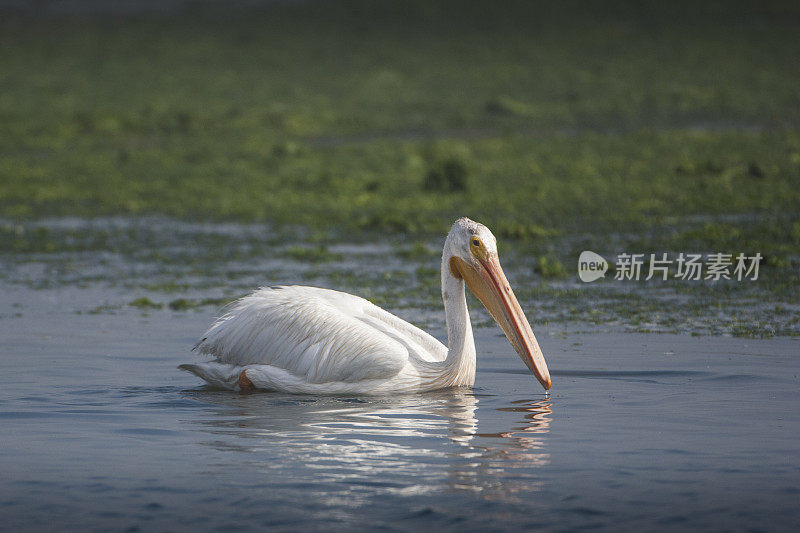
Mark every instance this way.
x=309 y=340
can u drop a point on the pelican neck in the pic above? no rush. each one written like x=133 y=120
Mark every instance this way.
x=460 y=342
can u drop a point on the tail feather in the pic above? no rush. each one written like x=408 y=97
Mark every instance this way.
x=217 y=374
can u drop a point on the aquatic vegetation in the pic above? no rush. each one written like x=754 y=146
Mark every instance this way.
x=145 y=303
x=185 y=304
x=550 y=267
x=181 y=304
x=179 y=275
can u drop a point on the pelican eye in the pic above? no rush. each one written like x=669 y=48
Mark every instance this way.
x=477 y=249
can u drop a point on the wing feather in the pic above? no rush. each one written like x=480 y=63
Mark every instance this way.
x=318 y=334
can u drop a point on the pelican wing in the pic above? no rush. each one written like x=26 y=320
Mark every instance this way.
x=316 y=334
x=420 y=343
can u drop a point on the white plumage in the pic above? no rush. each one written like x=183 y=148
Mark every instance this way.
x=319 y=341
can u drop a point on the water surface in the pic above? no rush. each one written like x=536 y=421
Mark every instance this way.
x=101 y=431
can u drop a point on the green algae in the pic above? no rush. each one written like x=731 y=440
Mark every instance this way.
x=145 y=303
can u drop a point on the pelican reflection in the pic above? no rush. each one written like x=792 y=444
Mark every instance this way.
x=413 y=444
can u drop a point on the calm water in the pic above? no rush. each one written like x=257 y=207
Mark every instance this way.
x=101 y=431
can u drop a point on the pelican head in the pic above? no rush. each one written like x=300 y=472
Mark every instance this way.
x=471 y=255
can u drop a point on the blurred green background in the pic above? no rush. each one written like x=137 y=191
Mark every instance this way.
x=400 y=116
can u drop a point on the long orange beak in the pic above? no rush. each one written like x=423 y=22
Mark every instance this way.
x=488 y=282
